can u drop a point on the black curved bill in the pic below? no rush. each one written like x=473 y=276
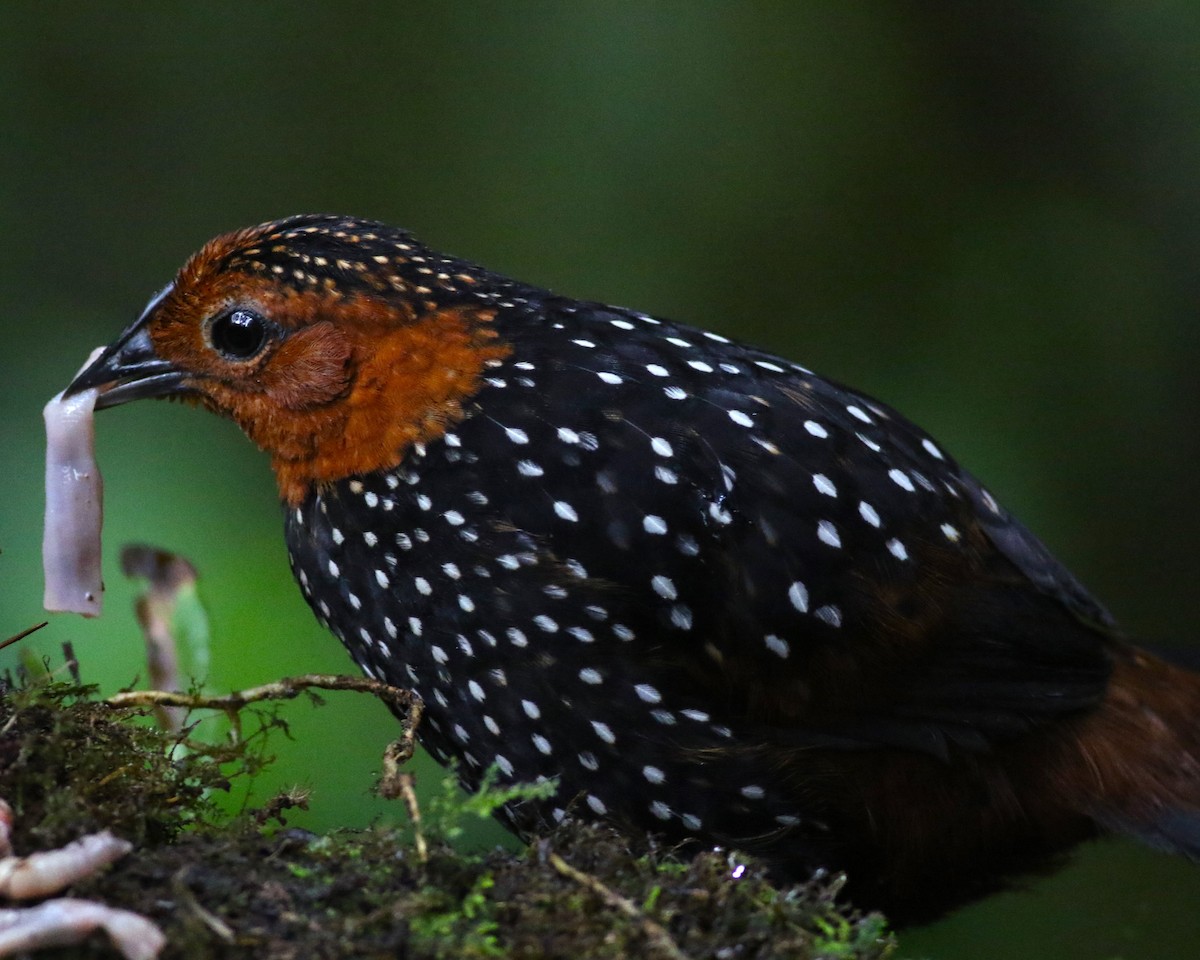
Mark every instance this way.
x=130 y=367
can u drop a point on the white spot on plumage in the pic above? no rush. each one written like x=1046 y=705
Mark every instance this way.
x=720 y=514
x=647 y=693
x=664 y=587
x=901 y=479
x=777 y=645
x=654 y=524
x=604 y=731
x=661 y=446
x=827 y=534
x=869 y=513
x=897 y=549
x=653 y=774
x=591 y=675
x=681 y=616
x=816 y=429
x=824 y=485
x=798 y=595
x=565 y=511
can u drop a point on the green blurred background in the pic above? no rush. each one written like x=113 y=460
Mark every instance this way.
x=986 y=215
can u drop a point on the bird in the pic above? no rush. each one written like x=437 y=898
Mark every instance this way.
x=703 y=592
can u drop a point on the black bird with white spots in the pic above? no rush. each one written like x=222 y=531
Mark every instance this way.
x=706 y=592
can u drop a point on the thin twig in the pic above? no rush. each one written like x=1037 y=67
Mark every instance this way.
x=23 y=634
x=183 y=893
x=397 y=783
x=656 y=934
x=287 y=688
x=405 y=782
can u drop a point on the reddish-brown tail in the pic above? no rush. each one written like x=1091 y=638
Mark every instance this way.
x=935 y=835
x=1134 y=763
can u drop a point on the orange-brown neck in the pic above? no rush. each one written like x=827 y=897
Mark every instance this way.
x=388 y=389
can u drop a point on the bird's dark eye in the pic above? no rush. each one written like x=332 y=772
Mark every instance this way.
x=238 y=335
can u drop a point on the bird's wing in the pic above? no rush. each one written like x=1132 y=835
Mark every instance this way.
x=804 y=556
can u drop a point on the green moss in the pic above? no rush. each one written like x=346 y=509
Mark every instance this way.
x=245 y=886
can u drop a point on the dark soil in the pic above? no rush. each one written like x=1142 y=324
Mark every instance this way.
x=246 y=886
